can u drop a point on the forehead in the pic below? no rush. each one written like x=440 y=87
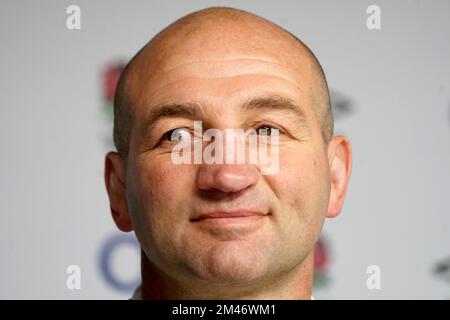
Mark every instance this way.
x=219 y=38
x=222 y=62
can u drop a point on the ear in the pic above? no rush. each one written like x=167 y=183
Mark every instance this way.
x=115 y=186
x=340 y=161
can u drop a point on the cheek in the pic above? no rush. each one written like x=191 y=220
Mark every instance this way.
x=160 y=192
x=302 y=183
x=160 y=210
x=163 y=185
x=301 y=189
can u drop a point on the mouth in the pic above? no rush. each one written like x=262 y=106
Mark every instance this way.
x=240 y=214
x=241 y=219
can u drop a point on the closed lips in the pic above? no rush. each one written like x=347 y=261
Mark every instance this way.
x=224 y=215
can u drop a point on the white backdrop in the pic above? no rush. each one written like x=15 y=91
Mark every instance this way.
x=54 y=132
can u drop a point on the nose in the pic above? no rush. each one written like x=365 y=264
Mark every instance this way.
x=228 y=178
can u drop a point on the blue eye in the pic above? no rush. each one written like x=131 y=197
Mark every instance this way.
x=176 y=134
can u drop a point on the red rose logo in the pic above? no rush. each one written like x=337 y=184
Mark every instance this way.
x=110 y=79
x=321 y=260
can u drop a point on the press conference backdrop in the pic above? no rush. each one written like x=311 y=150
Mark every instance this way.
x=391 y=97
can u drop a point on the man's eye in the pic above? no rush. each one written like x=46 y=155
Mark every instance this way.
x=266 y=130
x=176 y=134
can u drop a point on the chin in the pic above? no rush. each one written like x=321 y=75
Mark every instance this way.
x=233 y=263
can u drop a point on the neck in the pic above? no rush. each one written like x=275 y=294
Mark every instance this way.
x=292 y=285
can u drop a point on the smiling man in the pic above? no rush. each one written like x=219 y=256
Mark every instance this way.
x=225 y=230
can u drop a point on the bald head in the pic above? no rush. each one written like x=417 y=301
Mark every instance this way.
x=215 y=35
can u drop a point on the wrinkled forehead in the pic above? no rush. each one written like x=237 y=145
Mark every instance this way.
x=215 y=41
x=218 y=49
x=222 y=40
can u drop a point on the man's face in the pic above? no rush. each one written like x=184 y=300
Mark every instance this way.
x=164 y=199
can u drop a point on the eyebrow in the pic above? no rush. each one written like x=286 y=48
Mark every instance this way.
x=193 y=110
x=184 y=109
x=276 y=103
